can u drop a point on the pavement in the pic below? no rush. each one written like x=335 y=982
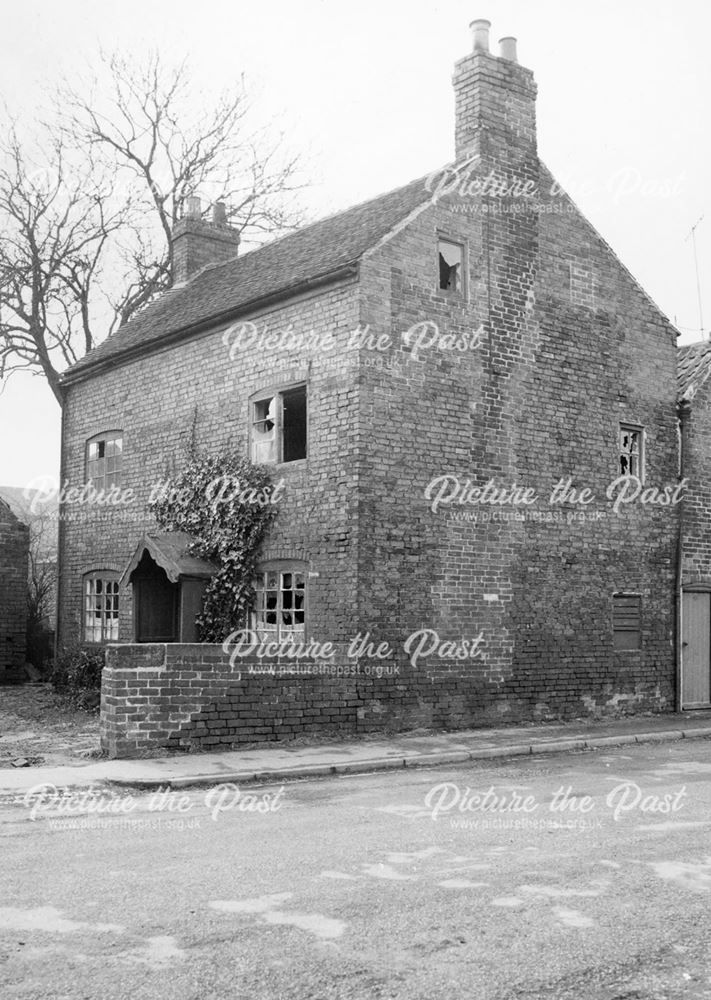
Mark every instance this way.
x=284 y=761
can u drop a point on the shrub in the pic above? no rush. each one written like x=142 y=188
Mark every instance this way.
x=76 y=676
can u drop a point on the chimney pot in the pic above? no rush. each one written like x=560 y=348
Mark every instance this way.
x=193 y=209
x=507 y=48
x=219 y=213
x=480 y=31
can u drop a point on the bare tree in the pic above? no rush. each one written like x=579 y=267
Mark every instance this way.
x=85 y=235
x=42 y=566
x=56 y=220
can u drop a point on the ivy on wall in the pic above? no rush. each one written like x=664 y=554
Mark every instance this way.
x=226 y=503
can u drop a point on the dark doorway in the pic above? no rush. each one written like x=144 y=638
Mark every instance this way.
x=156 y=611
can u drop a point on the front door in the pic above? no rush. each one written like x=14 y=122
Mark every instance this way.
x=696 y=651
x=155 y=603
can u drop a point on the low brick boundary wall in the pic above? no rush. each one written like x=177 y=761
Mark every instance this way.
x=190 y=697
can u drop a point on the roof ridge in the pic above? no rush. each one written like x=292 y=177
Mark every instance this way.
x=317 y=222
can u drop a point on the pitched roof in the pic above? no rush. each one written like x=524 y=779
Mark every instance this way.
x=284 y=266
x=171 y=551
x=693 y=368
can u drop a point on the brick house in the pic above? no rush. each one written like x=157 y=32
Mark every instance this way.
x=469 y=328
x=14 y=555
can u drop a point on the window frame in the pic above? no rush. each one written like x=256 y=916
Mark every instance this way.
x=623 y=427
x=458 y=293
x=281 y=567
x=105 y=576
x=104 y=436
x=619 y=629
x=277 y=393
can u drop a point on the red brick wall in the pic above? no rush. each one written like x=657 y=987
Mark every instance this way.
x=14 y=548
x=194 y=392
x=572 y=347
x=177 y=697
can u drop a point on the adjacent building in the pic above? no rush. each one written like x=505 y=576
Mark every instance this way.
x=14 y=555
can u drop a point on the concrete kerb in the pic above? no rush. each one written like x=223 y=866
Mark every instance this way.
x=422 y=760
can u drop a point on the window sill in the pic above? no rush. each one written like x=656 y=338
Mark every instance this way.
x=299 y=463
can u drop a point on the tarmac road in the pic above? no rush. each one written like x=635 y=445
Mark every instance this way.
x=583 y=876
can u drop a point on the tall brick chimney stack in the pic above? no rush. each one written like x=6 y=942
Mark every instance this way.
x=197 y=242
x=495 y=101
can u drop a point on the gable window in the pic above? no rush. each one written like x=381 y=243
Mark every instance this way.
x=451 y=266
x=103 y=459
x=279 y=426
x=627 y=621
x=101 y=606
x=280 y=608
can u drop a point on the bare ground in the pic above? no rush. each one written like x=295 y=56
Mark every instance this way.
x=37 y=727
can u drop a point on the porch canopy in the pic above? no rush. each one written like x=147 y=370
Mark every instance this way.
x=168 y=587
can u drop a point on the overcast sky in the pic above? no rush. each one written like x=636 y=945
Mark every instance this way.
x=364 y=89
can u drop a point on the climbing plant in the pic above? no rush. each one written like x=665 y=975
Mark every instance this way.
x=226 y=503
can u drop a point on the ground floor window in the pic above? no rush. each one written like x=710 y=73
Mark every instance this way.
x=101 y=607
x=281 y=601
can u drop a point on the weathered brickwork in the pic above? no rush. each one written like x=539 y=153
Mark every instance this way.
x=14 y=549
x=539 y=400
x=195 y=394
x=536 y=361
x=191 y=697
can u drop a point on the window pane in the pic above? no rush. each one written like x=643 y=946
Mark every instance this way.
x=630 y=451
x=294 y=424
x=101 y=609
x=280 y=607
x=103 y=461
x=264 y=431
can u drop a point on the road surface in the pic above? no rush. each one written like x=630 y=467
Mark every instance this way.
x=576 y=877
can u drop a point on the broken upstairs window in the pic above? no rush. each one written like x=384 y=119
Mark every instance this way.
x=279 y=427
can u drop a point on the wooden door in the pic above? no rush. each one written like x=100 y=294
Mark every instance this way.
x=696 y=651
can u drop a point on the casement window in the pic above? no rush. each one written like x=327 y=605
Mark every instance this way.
x=279 y=423
x=101 y=606
x=103 y=459
x=631 y=451
x=280 y=608
x=627 y=621
x=451 y=266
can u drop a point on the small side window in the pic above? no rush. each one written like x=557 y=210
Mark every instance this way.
x=631 y=451
x=451 y=266
x=627 y=621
